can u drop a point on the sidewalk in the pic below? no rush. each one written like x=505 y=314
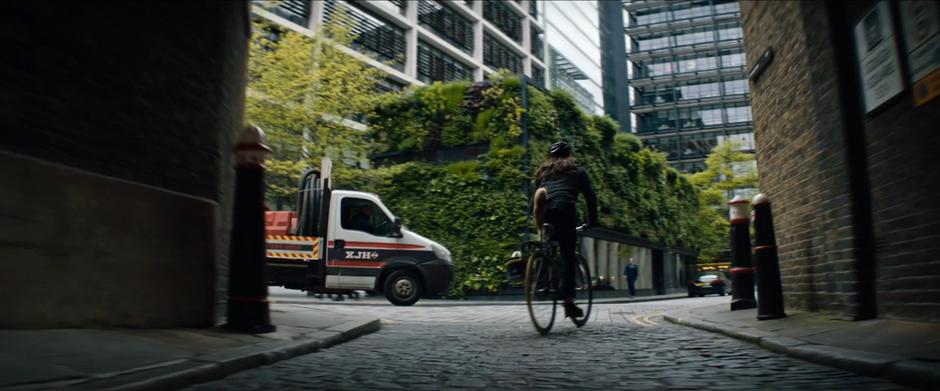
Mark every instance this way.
x=144 y=359
x=907 y=352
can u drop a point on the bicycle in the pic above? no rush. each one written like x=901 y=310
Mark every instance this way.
x=543 y=270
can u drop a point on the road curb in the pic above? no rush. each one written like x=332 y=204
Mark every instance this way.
x=218 y=365
x=458 y=303
x=915 y=373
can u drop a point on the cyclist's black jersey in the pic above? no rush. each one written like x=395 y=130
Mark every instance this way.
x=563 y=192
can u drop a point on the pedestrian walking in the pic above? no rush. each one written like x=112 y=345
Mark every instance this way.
x=631 y=271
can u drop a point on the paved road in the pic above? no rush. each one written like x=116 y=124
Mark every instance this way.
x=626 y=346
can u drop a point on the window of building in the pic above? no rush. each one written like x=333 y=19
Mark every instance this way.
x=373 y=35
x=670 y=146
x=652 y=16
x=435 y=65
x=691 y=10
x=699 y=117
x=538 y=76
x=736 y=87
x=655 y=95
x=657 y=121
x=697 y=145
x=738 y=114
x=534 y=9
x=695 y=64
x=690 y=167
x=692 y=37
x=499 y=56
x=727 y=7
x=744 y=141
x=698 y=91
x=389 y=85
x=654 y=42
x=667 y=145
x=731 y=60
x=296 y=11
x=727 y=32
x=657 y=67
x=401 y=4
x=537 y=48
x=447 y=23
x=503 y=18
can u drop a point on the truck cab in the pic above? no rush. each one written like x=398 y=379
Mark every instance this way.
x=340 y=241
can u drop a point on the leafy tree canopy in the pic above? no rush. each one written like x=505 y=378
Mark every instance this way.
x=300 y=91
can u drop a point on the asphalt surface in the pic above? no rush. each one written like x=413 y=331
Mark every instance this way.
x=623 y=346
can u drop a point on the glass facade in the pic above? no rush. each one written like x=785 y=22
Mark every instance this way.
x=688 y=77
x=681 y=11
x=572 y=32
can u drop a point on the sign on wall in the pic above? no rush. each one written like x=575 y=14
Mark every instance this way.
x=921 y=20
x=878 y=57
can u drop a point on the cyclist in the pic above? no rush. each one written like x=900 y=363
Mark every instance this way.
x=559 y=180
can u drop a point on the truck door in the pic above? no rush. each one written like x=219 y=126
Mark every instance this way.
x=363 y=233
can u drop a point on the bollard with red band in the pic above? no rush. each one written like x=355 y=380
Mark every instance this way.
x=248 y=309
x=742 y=274
x=769 y=292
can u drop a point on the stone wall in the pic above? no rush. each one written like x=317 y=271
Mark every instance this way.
x=149 y=93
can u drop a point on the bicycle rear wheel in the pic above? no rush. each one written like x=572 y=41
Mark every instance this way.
x=541 y=305
x=584 y=293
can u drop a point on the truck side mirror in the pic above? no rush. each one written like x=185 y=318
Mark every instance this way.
x=396 y=227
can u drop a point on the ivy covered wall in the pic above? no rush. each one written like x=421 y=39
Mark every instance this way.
x=477 y=208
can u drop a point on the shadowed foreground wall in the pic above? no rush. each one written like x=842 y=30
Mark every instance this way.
x=118 y=121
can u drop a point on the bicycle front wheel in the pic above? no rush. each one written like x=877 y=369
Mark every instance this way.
x=583 y=291
x=540 y=298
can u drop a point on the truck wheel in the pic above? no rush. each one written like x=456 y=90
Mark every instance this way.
x=402 y=288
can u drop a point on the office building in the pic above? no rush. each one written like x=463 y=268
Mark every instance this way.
x=574 y=54
x=423 y=41
x=687 y=78
x=555 y=43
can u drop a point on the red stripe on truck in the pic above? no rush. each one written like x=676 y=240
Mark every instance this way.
x=394 y=246
x=367 y=264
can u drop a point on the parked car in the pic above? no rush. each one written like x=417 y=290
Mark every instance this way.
x=707 y=283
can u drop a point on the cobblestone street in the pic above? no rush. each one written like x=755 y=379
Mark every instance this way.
x=624 y=346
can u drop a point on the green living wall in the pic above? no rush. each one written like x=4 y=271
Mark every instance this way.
x=477 y=208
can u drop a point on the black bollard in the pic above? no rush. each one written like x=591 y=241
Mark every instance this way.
x=769 y=291
x=742 y=274
x=248 y=309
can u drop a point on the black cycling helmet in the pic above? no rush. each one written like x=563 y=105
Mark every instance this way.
x=560 y=149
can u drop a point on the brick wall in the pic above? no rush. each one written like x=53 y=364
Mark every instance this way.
x=801 y=159
x=837 y=176
x=901 y=145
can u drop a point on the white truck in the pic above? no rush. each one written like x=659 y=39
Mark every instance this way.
x=339 y=241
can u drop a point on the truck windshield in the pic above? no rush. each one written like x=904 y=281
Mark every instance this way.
x=363 y=215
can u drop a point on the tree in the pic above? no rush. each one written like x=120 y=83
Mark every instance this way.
x=300 y=91
x=727 y=170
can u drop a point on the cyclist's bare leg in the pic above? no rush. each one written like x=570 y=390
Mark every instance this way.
x=538 y=206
